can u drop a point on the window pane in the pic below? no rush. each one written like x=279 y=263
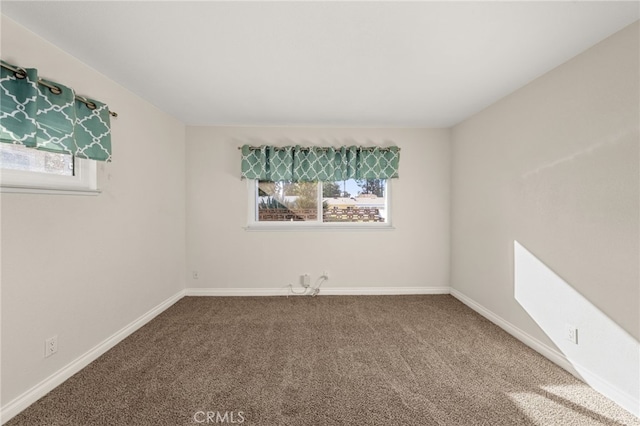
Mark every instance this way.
x=17 y=157
x=287 y=201
x=354 y=201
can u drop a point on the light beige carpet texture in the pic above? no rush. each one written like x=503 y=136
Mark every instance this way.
x=326 y=360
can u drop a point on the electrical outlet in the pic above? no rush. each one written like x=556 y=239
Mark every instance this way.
x=572 y=334
x=50 y=346
x=305 y=280
x=325 y=274
x=195 y=275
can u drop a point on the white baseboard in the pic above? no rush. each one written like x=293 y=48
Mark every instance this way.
x=524 y=337
x=324 y=291
x=388 y=291
x=12 y=408
x=626 y=401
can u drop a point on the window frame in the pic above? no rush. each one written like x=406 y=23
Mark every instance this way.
x=83 y=182
x=254 y=225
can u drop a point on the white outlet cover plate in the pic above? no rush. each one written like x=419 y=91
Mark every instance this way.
x=571 y=333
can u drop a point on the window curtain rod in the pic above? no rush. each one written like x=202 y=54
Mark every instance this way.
x=277 y=148
x=21 y=73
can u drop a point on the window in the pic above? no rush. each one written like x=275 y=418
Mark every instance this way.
x=349 y=203
x=30 y=170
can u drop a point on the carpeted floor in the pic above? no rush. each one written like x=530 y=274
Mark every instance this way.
x=344 y=360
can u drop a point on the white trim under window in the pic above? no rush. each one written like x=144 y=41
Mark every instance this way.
x=83 y=181
x=253 y=224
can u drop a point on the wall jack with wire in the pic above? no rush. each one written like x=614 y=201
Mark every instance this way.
x=307 y=288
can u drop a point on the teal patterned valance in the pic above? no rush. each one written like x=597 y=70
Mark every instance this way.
x=319 y=164
x=48 y=116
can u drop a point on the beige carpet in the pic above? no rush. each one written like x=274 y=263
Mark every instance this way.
x=344 y=360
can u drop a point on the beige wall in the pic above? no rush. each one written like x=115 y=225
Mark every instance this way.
x=555 y=168
x=415 y=254
x=83 y=267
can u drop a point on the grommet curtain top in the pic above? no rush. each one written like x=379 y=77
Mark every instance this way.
x=49 y=116
x=319 y=164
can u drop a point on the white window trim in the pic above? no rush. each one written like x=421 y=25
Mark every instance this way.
x=84 y=182
x=254 y=225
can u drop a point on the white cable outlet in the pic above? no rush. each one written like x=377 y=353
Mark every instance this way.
x=305 y=280
x=50 y=346
x=325 y=274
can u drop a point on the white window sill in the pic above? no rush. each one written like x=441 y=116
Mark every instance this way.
x=84 y=182
x=51 y=191
x=314 y=228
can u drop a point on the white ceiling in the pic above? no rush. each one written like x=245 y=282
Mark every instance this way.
x=428 y=64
